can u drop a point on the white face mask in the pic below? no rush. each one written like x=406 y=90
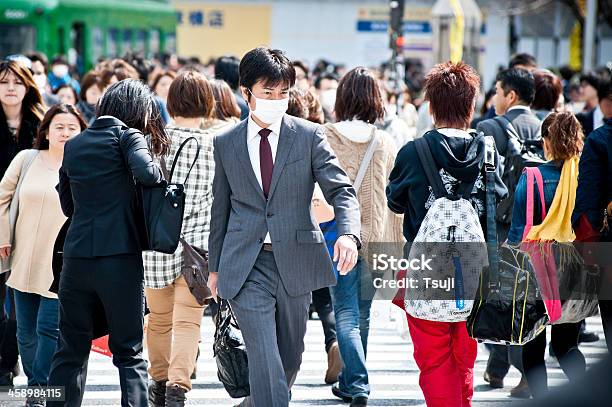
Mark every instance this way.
x=270 y=111
x=60 y=71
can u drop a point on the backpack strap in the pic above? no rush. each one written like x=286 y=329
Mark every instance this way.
x=366 y=160
x=489 y=166
x=514 y=145
x=429 y=166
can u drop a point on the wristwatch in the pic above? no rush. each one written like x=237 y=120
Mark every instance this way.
x=354 y=239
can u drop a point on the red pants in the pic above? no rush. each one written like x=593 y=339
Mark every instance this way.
x=445 y=355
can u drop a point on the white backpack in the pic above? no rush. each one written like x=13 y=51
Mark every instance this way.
x=451 y=235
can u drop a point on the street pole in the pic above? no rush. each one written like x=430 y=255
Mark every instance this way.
x=589 y=35
x=396 y=36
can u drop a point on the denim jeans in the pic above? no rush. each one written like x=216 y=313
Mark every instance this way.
x=37 y=332
x=352 y=300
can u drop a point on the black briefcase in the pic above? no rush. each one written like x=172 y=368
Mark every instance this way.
x=230 y=353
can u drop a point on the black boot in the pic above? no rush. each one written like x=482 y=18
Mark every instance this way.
x=157 y=393
x=175 y=396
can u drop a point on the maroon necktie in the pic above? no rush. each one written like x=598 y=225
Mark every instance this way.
x=265 y=160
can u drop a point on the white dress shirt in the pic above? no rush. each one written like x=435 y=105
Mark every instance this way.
x=598 y=118
x=253 y=139
x=519 y=107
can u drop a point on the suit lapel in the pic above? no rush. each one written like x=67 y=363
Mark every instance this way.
x=242 y=153
x=285 y=142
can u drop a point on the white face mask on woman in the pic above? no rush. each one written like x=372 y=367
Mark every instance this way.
x=59 y=71
x=269 y=110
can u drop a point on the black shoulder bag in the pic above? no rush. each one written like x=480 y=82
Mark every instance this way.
x=161 y=207
x=195 y=262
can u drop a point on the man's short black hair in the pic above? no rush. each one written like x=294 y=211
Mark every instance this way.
x=325 y=75
x=268 y=65
x=523 y=59
x=59 y=60
x=226 y=68
x=519 y=80
x=604 y=90
x=591 y=78
x=36 y=56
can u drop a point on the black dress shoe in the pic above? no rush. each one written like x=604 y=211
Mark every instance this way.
x=6 y=379
x=493 y=381
x=336 y=392
x=587 y=336
x=359 y=402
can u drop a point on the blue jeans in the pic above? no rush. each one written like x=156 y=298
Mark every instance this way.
x=352 y=300
x=37 y=332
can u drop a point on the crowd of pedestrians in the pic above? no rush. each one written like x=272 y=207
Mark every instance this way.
x=291 y=174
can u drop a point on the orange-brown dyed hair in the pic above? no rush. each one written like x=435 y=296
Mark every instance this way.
x=564 y=135
x=451 y=89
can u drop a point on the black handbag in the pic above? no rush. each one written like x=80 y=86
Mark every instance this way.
x=161 y=208
x=507 y=307
x=230 y=353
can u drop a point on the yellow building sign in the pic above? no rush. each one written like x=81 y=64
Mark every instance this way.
x=210 y=30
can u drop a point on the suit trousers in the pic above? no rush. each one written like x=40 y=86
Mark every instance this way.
x=273 y=326
x=117 y=282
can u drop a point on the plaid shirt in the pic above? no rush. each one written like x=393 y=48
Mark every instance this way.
x=162 y=269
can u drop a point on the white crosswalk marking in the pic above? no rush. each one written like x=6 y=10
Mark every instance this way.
x=393 y=373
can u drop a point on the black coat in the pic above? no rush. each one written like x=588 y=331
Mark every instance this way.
x=586 y=121
x=97 y=189
x=9 y=147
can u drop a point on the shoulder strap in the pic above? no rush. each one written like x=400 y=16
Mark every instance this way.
x=489 y=165
x=514 y=144
x=429 y=166
x=366 y=160
x=533 y=174
x=177 y=155
x=27 y=162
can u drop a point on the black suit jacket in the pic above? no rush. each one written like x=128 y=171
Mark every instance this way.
x=97 y=189
x=586 y=121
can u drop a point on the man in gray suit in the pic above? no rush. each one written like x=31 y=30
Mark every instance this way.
x=266 y=250
x=514 y=93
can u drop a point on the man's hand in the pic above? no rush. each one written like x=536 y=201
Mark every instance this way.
x=5 y=252
x=345 y=253
x=212 y=285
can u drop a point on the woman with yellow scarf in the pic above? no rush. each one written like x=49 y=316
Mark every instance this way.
x=563 y=141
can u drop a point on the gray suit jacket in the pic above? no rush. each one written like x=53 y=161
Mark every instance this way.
x=241 y=216
x=526 y=123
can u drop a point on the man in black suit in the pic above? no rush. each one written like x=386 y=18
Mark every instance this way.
x=593 y=118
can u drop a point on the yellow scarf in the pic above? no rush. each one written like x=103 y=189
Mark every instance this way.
x=557 y=226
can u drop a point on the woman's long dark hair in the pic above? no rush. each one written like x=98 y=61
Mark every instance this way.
x=32 y=101
x=132 y=102
x=41 y=142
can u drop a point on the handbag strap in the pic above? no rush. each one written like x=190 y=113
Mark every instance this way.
x=429 y=166
x=178 y=153
x=533 y=174
x=366 y=161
